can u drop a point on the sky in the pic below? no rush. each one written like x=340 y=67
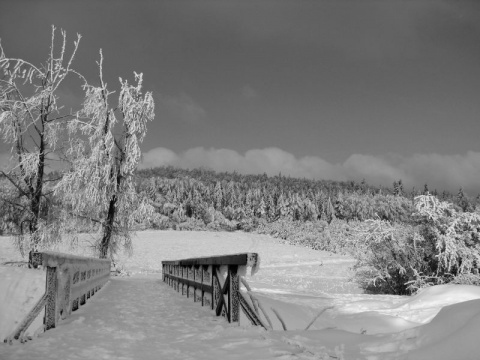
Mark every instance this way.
x=341 y=90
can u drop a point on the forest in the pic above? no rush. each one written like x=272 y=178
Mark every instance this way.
x=242 y=202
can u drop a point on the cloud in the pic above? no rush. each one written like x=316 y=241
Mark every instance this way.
x=158 y=157
x=181 y=107
x=448 y=172
x=374 y=168
x=441 y=172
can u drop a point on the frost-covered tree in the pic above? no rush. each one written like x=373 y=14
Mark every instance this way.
x=440 y=246
x=329 y=211
x=218 y=196
x=99 y=184
x=462 y=201
x=262 y=208
x=398 y=188
x=425 y=190
x=32 y=124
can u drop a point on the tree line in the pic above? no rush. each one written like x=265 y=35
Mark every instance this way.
x=181 y=194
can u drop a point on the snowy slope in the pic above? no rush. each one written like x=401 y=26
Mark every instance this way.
x=20 y=289
x=139 y=317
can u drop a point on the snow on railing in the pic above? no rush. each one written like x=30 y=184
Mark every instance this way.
x=70 y=281
x=215 y=282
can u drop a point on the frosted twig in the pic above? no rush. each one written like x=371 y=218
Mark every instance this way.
x=317 y=316
x=263 y=310
x=244 y=282
x=279 y=318
x=267 y=327
x=249 y=292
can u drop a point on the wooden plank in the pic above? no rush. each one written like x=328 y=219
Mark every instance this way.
x=222 y=304
x=188 y=282
x=233 y=294
x=234 y=259
x=212 y=283
x=54 y=259
x=51 y=293
x=83 y=287
x=202 y=280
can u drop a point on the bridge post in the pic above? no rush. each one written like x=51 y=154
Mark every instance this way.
x=51 y=292
x=233 y=294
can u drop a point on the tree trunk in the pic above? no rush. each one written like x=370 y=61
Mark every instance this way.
x=108 y=228
x=36 y=193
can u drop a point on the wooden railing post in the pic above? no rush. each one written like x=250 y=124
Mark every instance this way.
x=212 y=293
x=233 y=294
x=51 y=292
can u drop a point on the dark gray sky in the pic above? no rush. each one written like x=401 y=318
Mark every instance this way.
x=380 y=90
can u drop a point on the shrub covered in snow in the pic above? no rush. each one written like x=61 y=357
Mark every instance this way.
x=440 y=246
x=318 y=235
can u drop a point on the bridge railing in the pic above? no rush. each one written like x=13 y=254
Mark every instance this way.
x=215 y=282
x=70 y=281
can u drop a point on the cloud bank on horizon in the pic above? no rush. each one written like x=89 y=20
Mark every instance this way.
x=441 y=172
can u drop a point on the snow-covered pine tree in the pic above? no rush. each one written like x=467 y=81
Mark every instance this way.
x=218 y=196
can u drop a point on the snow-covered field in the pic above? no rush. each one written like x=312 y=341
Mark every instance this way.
x=140 y=317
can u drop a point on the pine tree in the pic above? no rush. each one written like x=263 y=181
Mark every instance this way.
x=249 y=211
x=396 y=189
x=425 y=190
x=270 y=206
x=463 y=202
x=262 y=208
x=400 y=187
x=218 y=196
x=282 y=210
x=444 y=195
x=329 y=211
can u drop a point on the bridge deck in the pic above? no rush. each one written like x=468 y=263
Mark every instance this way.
x=143 y=318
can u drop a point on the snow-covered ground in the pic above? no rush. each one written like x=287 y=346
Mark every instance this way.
x=140 y=317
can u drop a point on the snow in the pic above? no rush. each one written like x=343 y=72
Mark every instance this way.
x=140 y=317
x=19 y=291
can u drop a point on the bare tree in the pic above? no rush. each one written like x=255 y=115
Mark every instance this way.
x=32 y=124
x=99 y=184
x=95 y=180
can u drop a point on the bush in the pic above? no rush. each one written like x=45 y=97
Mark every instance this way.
x=387 y=256
x=441 y=246
x=354 y=206
x=191 y=224
x=160 y=222
x=246 y=224
x=318 y=235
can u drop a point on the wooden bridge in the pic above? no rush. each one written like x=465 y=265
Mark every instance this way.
x=212 y=281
